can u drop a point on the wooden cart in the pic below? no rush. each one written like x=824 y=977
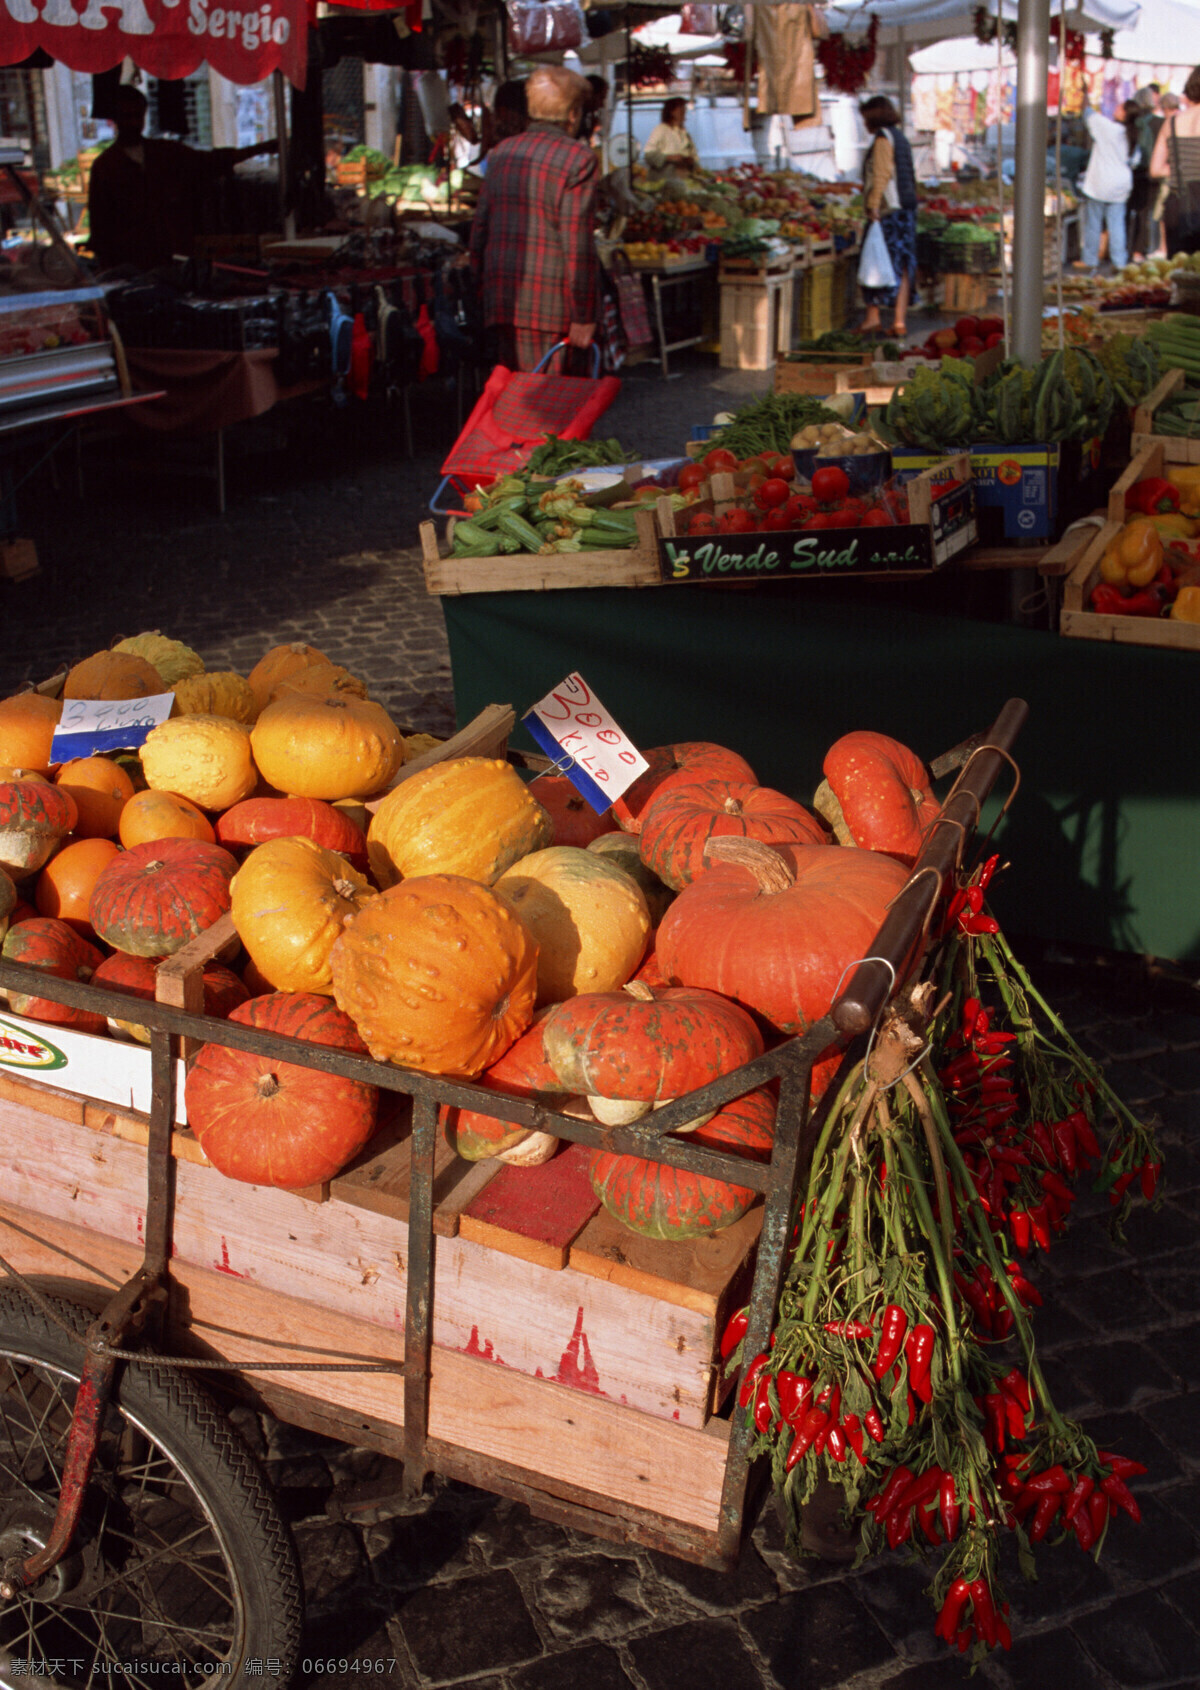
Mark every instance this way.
x=416 y=1304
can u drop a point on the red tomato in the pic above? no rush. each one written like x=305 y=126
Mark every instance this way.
x=798 y=507
x=772 y=493
x=847 y=516
x=877 y=519
x=996 y=339
x=971 y=347
x=737 y=521
x=691 y=475
x=777 y=520
x=719 y=458
x=784 y=467
x=704 y=522
x=966 y=327
x=830 y=484
x=823 y=519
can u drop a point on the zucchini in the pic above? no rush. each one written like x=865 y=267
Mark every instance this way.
x=467 y=534
x=517 y=528
x=604 y=539
x=490 y=516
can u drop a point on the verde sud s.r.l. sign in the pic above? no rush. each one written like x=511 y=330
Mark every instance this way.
x=797 y=555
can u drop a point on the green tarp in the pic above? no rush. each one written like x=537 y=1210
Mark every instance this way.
x=1105 y=831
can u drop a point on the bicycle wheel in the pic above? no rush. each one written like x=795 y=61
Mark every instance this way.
x=181 y=1564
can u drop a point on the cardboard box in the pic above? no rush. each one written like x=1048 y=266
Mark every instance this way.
x=1031 y=491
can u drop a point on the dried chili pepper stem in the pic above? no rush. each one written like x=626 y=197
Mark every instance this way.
x=814 y=1178
x=921 y=1105
x=941 y=1262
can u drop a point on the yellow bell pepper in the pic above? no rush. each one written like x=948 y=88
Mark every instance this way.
x=1187 y=605
x=1183 y=476
x=1174 y=525
x=1135 y=557
x=1189 y=502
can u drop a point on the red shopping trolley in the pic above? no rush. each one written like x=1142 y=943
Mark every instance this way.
x=516 y=410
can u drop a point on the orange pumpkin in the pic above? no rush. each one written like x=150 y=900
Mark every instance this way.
x=65 y=886
x=27 y=724
x=472 y=816
x=45 y=943
x=276 y=1123
x=291 y=898
x=155 y=815
x=113 y=674
x=280 y=662
x=321 y=680
x=101 y=789
x=437 y=973
x=340 y=747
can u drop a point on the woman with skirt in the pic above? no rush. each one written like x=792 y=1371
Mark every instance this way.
x=890 y=197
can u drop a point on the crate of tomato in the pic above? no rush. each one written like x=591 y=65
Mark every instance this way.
x=762 y=523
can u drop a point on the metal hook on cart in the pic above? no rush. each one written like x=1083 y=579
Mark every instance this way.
x=857 y=963
x=1008 y=802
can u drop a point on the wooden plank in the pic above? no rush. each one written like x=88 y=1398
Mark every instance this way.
x=571 y=1438
x=381 y=1177
x=535 y=1213
x=693 y=1273
x=600 y=1338
x=1175 y=450
x=47 y=1099
x=1147 y=461
x=485 y=736
x=135 y=1129
x=1131 y=630
x=1143 y=416
x=1079 y=579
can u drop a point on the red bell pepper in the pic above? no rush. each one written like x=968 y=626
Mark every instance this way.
x=1152 y=496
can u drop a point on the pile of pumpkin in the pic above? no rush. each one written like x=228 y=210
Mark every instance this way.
x=468 y=924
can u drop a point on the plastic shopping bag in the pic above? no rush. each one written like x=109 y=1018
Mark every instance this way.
x=875 y=265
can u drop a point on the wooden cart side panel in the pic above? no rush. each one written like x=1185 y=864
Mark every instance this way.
x=1147 y=461
x=606 y=1340
x=580 y=1443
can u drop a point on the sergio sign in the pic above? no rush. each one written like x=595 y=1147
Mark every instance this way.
x=168 y=38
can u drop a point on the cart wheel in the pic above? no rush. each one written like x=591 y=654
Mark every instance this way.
x=180 y=1561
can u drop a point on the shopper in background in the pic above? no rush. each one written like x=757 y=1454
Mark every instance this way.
x=506 y=116
x=1176 y=162
x=145 y=195
x=1107 y=184
x=669 y=142
x=890 y=199
x=1167 y=105
x=1143 y=230
x=593 y=117
x=532 y=239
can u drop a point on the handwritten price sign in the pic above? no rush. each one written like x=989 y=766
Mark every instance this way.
x=572 y=726
x=91 y=726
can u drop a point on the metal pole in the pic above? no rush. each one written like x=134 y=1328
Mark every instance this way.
x=1029 y=195
x=287 y=215
x=901 y=73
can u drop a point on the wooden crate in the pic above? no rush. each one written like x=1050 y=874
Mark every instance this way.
x=1150 y=457
x=965 y=293
x=635 y=566
x=1077 y=622
x=792 y=377
x=756 y=318
x=1175 y=449
x=813 y=307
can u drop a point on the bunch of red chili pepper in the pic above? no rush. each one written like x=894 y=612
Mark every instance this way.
x=902 y=1277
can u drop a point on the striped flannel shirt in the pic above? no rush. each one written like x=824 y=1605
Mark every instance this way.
x=532 y=240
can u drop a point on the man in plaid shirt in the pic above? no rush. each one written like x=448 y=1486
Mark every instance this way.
x=532 y=241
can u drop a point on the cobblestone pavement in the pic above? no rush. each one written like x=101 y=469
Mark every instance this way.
x=318 y=543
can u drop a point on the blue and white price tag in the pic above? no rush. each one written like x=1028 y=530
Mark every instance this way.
x=90 y=727
x=572 y=726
